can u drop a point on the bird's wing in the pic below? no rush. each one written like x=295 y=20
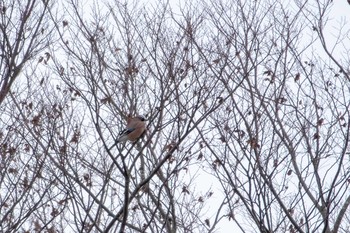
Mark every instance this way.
x=126 y=131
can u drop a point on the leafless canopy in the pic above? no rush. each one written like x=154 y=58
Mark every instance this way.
x=247 y=105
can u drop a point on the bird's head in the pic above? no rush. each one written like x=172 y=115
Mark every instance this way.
x=141 y=118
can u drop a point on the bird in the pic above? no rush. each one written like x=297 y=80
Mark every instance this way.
x=134 y=129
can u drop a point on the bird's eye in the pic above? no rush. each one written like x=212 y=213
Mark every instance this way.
x=142 y=118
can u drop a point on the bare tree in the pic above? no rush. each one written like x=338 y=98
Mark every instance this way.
x=250 y=93
x=128 y=61
x=25 y=193
x=283 y=162
x=25 y=32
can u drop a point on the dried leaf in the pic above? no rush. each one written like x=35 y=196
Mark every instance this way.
x=316 y=136
x=106 y=100
x=135 y=207
x=65 y=23
x=223 y=139
x=12 y=170
x=170 y=146
x=267 y=72
x=35 y=121
x=185 y=190
x=207 y=222
x=200 y=156
x=48 y=55
x=37 y=226
x=54 y=212
x=221 y=100
x=216 y=61
x=253 y=142
x=320 y=122
x=231 y=216
x=291 y=211
x=75 y=137
x=297 y=77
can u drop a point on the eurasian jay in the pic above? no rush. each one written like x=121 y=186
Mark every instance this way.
x=135 y=127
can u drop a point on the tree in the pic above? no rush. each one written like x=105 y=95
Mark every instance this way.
x=25 y=32
x=139 y=66
x=284 y=156
x=234 y=90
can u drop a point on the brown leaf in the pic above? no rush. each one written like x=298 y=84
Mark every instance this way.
x=12 y=170
x=221 y=100
x=37 y=226
x=12 y=150
x=63 y=149
x=35 y=121
x=48 y=55
x=207 y=222
x=25 y=182
x=267 y=72
x=231 y=216
x=61 y=202
x=76 y=136
x=170 y=146
x=135 y=207
x=54 y=212
x=291 y=211
x=107 y=99
x=316 y=136
x=65 y=23
x=289 y=172
x=320 y=122
x=61 y=71
x=86 y=177
x=253 y=142
x=200 y=156
x=171 y=159
x=216 y=61
x=223 y=139
x=217 y=162
x=185 y=190
x=281 y=100
x=297 y=77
